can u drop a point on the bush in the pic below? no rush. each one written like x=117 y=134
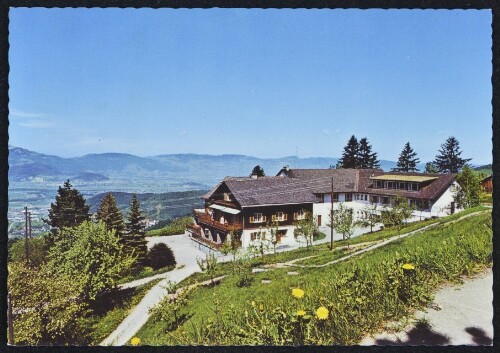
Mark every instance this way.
x=161 y=256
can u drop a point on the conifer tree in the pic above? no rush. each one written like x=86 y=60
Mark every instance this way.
x=349 y=157
x=258 y=171
x=68 y=211
x=134 y=239
x=366 y=158
x=448 y=160
x=430 y=167
x=407 y=161
x=109 y=213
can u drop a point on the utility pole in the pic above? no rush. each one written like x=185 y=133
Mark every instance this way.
x=331 y=218
x=9 y=318
x=26 y=246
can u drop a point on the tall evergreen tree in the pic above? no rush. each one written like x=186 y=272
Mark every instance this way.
x=407 y=161
x=69 y=210
x=448 y=160
x=366 y=158
x=349 y=157
x=109 y=213
x=134 y=239
x=258 y=171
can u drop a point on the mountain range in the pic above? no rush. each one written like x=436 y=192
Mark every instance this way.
x=200 y=170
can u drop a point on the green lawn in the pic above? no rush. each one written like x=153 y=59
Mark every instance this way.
x=358 y=294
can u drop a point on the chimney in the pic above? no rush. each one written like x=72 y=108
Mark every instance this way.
x=286 y=168
x=254 y=176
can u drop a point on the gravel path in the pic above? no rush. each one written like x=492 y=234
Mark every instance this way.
x=460 y=315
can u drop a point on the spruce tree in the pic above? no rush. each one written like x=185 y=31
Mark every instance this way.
x=448 y=160
x=407 y=161
x=68 y=211
x=366 y=158
x=109 y=213
x=430 y=167
x=134 y=239
x=258 y=171
x=349 y=157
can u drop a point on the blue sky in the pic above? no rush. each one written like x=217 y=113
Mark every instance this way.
x=267 y=83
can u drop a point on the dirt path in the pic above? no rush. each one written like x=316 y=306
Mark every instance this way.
x=460 y=315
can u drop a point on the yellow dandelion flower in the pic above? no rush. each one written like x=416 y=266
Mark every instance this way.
x=301 y=312
x=261 y=307
x=298 y=293
x=135 y=341
x=408 y=267
x=322 y=313
x=253 y=303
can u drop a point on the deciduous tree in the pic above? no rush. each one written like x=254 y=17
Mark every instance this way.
x=305 y=229
x=468 y=195
x=92 y=256
x=398 y=214
x=430 y=168
x=342 y=220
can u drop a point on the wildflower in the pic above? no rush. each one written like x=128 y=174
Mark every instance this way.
x=135 y=341
x=409 y=267
x=322 y=313
x=261 y=307
x=297 y=293
x=253 y=303
x=301 y=312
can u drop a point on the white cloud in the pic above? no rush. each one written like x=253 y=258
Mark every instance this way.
x=23 y=114
x=36 y=124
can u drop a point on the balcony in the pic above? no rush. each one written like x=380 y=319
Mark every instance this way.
x=207 y=219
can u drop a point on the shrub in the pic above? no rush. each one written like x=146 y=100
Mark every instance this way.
x=161 y=256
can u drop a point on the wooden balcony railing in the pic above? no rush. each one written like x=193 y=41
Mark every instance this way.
x=227 y=227
x=194 y=229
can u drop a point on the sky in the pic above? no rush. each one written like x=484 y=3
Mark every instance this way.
x=265 y=83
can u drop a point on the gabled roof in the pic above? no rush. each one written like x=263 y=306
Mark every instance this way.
x=266 y=191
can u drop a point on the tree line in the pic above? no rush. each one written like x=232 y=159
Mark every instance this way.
x=359 y=155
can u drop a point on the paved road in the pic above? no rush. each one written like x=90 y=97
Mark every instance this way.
x=185 y=254
x=461 y=315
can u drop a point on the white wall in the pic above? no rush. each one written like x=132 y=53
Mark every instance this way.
x=442 y=206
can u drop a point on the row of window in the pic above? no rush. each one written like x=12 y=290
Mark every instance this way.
x=278 y=216
x=398 y=185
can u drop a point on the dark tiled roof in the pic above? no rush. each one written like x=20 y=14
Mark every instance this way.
x=269 y=191
x=300 y=185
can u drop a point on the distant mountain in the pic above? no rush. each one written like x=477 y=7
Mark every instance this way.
x=88 y=177
x=198 y=171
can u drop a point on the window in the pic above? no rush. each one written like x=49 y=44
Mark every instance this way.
x=300 y=215
x=366 y=197
x=255 y=236
x=414 y=187
x=335 y=197
x=374 y=199
x=257 y=218
x=280 y=216
x=320 y=197
x=348 y=196
x=227 y=197
x=378 y=184
x=453 y=188
x=402 y=186
x=385 y=200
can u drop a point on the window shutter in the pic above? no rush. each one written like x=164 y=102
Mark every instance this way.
x=273 y=217
x=264 y=218
x=251 y=219
x=295 y=216
x=285 y=216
